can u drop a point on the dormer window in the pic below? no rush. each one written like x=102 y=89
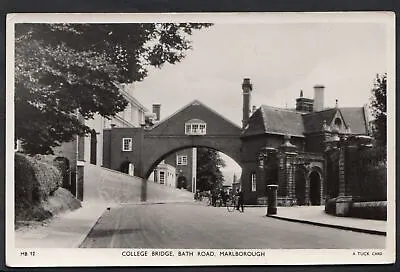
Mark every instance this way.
x=338 y=123
x=195 y=127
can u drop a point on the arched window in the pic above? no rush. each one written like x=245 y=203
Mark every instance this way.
x=338 y=123
x=195 y=127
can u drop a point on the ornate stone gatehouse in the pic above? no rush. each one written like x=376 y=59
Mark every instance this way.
x=287 y=147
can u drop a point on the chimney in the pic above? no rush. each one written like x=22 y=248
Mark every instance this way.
x=318 y=97
x=247 y=87
x=156 y=111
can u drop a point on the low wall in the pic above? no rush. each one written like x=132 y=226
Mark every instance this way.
x=110 y=186
x=376 y=210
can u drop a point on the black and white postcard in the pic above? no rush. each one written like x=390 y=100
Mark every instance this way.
x=200 y=139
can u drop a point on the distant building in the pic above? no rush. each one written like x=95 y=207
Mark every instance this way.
x=164 y=174
x=89 y=149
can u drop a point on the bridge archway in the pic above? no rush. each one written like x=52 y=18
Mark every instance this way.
x=195 y=125
x=157 y=157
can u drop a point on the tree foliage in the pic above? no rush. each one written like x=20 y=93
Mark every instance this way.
x=68 y=72
x=209 y=175
x=379 y=108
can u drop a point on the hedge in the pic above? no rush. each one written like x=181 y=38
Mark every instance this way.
x=34 y=180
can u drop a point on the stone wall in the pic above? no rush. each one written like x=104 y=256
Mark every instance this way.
x=109 y=186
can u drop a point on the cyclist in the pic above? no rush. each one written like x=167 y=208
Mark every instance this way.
x=239 y=195
x=223 y=197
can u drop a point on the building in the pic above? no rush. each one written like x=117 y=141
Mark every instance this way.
x=286 y=147
x=164 y=174
x=89 y=149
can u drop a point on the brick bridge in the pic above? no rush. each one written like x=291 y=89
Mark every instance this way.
x=195 y=125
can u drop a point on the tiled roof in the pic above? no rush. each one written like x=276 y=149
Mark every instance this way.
x=314 y=121
x=356 y=119
x=276 y=121
x=273 y=120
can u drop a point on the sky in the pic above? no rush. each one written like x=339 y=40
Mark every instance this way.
x=279 y=58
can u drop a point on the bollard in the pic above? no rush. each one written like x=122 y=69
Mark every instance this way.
x=272 y=199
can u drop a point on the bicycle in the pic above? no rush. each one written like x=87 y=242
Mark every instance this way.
x=231 y=204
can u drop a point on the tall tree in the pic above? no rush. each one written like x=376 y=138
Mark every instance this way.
x=209 y=175
x=64 y=72
x=379 y=108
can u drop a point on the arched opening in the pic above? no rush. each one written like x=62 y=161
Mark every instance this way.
x=189 y=165
x=300 y=186
x=127 y=168
x=182 y=182
x=315 y=188
x=338 y=123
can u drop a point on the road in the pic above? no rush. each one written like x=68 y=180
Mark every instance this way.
x=192 y=225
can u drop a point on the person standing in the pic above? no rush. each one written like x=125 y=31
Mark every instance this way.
x=239 y=195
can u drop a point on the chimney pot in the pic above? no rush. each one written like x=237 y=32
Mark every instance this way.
x=318 y=97
x=246 y=85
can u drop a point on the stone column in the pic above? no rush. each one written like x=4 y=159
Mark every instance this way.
x=262 y=158
x=307 y=189
x=321 y=197
x=282 y=175
x=342 y=180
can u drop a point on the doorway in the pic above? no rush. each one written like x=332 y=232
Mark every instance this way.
x=300 y=186
x=315 y=188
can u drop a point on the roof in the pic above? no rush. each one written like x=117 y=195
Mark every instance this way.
x=314 y=121
x=272 y=120
x=356 y=119
x=194 y=102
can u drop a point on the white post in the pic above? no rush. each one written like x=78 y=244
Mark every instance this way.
x=194 y=169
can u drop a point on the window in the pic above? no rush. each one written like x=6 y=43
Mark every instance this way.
x=126 y=144
x=181 y=160
x=202 y=128
x=195 y=127
x=253 y=182
x=338 y=123
x=162 y=177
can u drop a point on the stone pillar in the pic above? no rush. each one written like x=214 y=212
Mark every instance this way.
x=342 y=180
x=290 y=186
x=282 y=175
x=290 y=154
x=272 y=199
x=322 y=186
x=307 y=190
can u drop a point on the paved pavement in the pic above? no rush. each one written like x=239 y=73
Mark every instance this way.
x=193 y=225
x=190 y=225
x=316 y=215
x=67 y=230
